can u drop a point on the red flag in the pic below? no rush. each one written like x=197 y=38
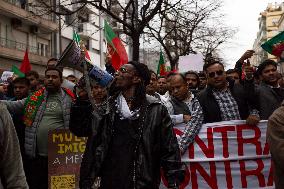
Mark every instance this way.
x=26 y=65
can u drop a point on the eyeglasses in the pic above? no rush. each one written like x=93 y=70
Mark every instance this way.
x=213 y=74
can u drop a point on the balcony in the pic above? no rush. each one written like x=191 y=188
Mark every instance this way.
x=15 y=50
x=28 y=14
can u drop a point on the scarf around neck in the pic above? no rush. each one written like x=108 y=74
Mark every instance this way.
x=34 y=101
x=123 y=109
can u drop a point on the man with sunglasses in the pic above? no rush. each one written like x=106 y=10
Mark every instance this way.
x=129 y=143
x=220 y=101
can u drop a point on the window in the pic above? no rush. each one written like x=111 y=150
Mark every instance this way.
x=274 y=21
x=42 y=49
x=83 y=16
x=68 y=16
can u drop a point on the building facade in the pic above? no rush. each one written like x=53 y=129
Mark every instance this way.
x=23 y=25
x=21 y=29
x=88 y=23
x=150 y=57
x=269 y=26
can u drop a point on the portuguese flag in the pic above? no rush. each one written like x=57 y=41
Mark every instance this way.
x=115 y=48
x=161 y=71
x=275 y=45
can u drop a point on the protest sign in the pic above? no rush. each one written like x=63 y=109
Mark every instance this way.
x=65 y=152
x=192 y=62
x=228 y=154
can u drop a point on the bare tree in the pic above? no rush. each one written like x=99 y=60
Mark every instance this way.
x=134 y=15
x=180 y=26
x=188 y=27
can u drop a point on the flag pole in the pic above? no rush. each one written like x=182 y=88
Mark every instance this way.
x=102 y=57
x=87 y=78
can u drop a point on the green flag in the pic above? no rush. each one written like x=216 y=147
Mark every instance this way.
x=17 y=71
x=161 y=66
x=76 y=37
x=275 y=45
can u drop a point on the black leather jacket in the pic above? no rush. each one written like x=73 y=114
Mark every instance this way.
x=158 y=147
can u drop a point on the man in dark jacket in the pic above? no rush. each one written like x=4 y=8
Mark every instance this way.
x=269 y=94
x=129 y=144
x=180 y=103
x=219 y=101
x=21 y=87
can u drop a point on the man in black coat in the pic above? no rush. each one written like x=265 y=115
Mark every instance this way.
x=132 y=141
x=221 y=100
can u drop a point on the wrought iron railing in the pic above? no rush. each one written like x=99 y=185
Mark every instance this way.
x=4 y=42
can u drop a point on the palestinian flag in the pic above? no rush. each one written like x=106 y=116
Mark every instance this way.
x=161 y=71
x=275 y=45
x=77 y=39
x=116 y=50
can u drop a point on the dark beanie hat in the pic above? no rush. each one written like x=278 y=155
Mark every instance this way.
x=265 y=63
x=142 y=71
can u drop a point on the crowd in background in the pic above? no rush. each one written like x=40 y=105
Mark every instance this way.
x=190 y=98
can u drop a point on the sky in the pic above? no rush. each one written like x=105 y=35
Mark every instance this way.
x=242 y=15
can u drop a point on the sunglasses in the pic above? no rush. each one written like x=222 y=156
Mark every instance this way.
x=213 y=74
x=124 y=70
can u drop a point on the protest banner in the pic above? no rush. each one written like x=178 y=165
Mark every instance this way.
x=65 y=152
x=228 y=154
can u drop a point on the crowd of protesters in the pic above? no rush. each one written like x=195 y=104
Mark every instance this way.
x=131 y=121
